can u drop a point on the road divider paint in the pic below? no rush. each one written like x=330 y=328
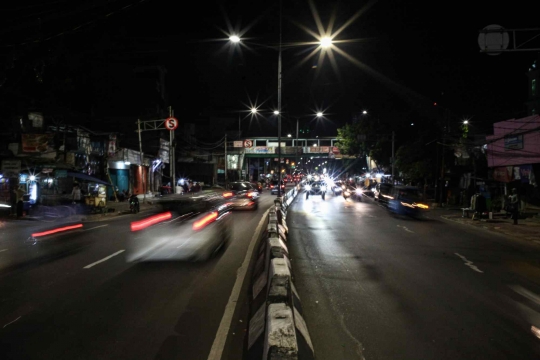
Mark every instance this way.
x=469 y=263
x=104 y=259
x=95 y=227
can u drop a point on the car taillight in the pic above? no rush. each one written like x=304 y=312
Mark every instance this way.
x=271 y=186
x=143 y=224
x=251 y=194
x=57 y=230
x=227 y=194
x=199 y=224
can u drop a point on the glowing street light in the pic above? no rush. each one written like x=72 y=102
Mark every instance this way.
x=465 y=122
x=276 y=112
x=319 y=114
x=234 y=39
x=326 y=42
x=289 y=135
x=253 y=110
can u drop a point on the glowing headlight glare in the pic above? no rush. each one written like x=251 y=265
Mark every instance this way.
x=308 y=187
x=358 y=191
x=323 y=188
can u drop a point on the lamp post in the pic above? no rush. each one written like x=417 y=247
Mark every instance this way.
x=324 y=43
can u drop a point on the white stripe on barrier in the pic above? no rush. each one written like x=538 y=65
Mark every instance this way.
x=302 y=327
x=256 y=325
x=294 y=290
x=260 y=283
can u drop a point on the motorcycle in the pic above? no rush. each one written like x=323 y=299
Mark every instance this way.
x=346 y=192
x=134 y=204
x=352 y=193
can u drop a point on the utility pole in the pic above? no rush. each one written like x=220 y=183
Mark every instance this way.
x=296 y=147
x=279 y=106
x=172 y=170
x=226 y=177
x=393 y=156
x=141 y=159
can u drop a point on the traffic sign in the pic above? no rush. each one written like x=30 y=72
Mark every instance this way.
x=248 y=143
x=171 y=123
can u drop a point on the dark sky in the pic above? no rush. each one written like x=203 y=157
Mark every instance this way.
x=402 y=55
x=407 y=55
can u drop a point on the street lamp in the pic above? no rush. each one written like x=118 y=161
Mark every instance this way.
x=324 y=42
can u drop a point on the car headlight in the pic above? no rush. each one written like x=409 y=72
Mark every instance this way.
x=358 y=191
x=308 y=187
x=343 y=187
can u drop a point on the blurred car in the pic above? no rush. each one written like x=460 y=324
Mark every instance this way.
x=355 y=193
x=258 y=186
x=337 y=187
x=242 y=195
x=382 y=193
x=368 y=191
x=190 y=228
x=274 y=187
x=407 y=200
x=315 y=188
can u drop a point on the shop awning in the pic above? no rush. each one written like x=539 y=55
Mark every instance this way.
x=87 y=178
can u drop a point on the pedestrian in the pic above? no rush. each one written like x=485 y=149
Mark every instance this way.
x=76 y=194
x=20 y=203
x=514 y=203
x=13 y=201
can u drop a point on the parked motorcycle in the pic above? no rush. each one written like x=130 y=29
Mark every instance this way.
x=134 y=204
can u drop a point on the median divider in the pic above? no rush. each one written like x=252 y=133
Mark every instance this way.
x=277 y=329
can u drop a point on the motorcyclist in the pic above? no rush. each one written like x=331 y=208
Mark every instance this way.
x=134 y=203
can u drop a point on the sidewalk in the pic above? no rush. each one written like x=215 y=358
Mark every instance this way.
x=528 y=229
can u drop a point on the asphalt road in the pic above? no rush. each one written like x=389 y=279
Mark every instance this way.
x=74 y=296
x=375 y=286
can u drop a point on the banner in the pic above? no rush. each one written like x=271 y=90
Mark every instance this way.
x=525 y=172
x=35 y=142
x=503 y=174
x=111 y=146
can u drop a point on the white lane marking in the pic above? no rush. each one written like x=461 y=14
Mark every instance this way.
x=405 y=228
x=3 y=250
x=95 y=227
x=469 y=263
x=104 y=259
x=221 y=336
x=12 y=321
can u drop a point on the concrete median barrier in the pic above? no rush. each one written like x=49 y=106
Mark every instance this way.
x=277 y=329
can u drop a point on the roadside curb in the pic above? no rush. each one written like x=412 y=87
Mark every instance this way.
x=517 y=233
x=276 y=329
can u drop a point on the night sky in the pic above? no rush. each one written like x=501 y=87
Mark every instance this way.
x=401 y=56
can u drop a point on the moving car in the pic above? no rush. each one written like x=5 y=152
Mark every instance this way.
x=382 y=193
x=242 y=195
x=407 y=200
x=337 y=187
x=191 y=228
x=352 y=192
x=274 y=187
x=315 y=188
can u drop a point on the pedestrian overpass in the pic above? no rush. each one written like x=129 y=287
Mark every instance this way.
x=267 y=147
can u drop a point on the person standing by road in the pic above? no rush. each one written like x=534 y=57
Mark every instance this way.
x=19 y=193
x=514 y=203
x=76 y=194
